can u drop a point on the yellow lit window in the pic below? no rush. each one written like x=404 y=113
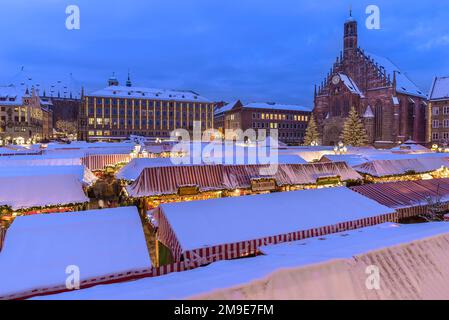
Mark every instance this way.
x=107 y=133
x=99 y=133
x=91 y=133
x=99 y=121
x=263 y=116
x=91 y=121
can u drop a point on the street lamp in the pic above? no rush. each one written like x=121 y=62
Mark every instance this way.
x=340 y=149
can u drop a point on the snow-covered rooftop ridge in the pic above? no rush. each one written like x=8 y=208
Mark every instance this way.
x=38 y=249
x=439 y=89
x=226 y=107
x=350 y=84
x=11 y=95
x=403 y=82
x=149 y=93
x=232 y=219
x=277 y=106
x=233 y=273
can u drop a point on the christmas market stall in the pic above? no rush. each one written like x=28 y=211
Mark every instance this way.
x=158 y=185
x=404 y=169
x=25 y=195
x=134 y=168
x=99 y=162
x=44 y=254
x=200 y=232
x=85 y=176
x=427 y=198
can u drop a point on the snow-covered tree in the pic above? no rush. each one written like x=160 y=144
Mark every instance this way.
x=311 y=136
x=354 y=132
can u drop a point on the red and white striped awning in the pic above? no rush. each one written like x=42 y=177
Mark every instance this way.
x=403 y=194
x=166 y=180
x=97 y=162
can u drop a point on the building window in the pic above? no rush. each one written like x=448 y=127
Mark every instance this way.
x=435 y=123
x=435 y=136
x=446 y=110
x=435 y=111
x=446 y=123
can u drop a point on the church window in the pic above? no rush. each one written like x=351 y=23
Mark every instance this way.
x=378 y=120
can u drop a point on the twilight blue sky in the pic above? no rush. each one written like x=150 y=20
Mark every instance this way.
x=255 y=50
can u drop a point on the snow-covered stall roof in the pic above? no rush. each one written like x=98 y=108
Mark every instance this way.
x=241 y=273
x=101 y=243
x=277 y=106
x=134 y=168
x=39 y=160
x=439 y=89
x=149 y=93
x=21 y=192
x=84 y=175
x=411 y=147
x=384 y=168
x=230 y=220
x=405 y=194
x=403 y=83
x=167 y=180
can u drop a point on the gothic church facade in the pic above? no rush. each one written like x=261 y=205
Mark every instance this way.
x=393 y=108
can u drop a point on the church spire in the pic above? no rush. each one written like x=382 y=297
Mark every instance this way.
x=350 y=35
x=128 y=82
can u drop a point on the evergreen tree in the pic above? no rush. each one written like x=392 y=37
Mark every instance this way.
x=354 y=132
x=312 y=135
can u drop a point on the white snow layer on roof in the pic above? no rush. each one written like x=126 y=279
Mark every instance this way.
x=228 y=274
x=149 y=93
x=277 y=106
x=133 y=169
x=350 y=84
x=440 y=89
x=39 y=160
x=199 y=224
x=11 y=95
x=403 y=83
x=226 y=107
x=22 y=192
x=39 y=248
x=83 y=174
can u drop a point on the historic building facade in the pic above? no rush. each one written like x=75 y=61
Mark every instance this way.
x=392 y=106
x=290 y=121
x=24 y=118
x=438 y=122
x=117 y=112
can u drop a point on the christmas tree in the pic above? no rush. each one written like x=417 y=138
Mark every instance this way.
x=354 y=133
x=311 y=137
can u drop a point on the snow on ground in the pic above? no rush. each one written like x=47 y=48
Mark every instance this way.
x=199 y=224
x=227 y=274
x=39 y=248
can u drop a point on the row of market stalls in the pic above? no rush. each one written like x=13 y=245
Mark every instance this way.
x=156 y=185
x=402 y=168
x=330 y=267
